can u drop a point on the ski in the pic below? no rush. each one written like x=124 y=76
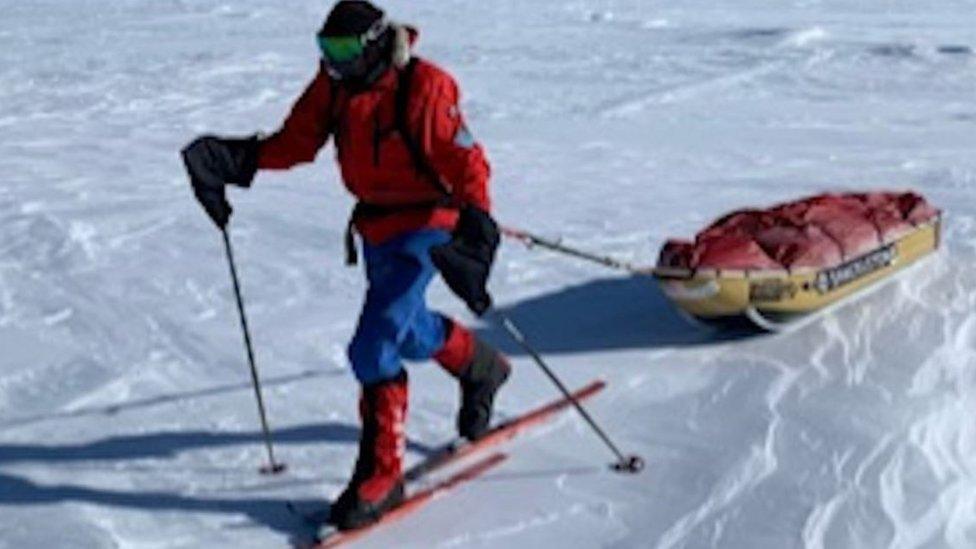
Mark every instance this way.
x=460 y=448
x=329 y=537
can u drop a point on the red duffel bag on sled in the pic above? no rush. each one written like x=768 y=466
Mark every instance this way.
x=774 y=266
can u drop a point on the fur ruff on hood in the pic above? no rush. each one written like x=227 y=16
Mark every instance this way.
x=404 y=38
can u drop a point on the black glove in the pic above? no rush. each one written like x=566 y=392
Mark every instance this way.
x=214 y=162
x=465 y=262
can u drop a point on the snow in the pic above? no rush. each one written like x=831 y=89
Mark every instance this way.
x=126 y=412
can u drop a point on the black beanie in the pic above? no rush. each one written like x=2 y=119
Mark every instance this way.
x=350 y=18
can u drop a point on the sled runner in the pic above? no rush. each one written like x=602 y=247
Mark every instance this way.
x=773 y=268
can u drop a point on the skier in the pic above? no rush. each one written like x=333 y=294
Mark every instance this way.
x=422 y=184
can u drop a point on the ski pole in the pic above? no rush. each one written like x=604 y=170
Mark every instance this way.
x=624 y=464
x=530 y=240
x=273 y=467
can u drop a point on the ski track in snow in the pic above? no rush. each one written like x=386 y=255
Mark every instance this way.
x=126 y=413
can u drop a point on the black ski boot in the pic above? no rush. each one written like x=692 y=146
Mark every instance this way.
x=480 y=381
x=480 y=369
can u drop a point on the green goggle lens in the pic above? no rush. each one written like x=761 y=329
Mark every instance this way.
x=340 y=49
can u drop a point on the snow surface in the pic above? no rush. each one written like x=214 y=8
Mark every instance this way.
x=126 y=413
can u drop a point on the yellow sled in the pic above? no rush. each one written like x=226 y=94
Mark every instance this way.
x=776 y=299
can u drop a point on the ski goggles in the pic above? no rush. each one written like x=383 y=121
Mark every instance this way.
x=340 y=49
x=343 y=56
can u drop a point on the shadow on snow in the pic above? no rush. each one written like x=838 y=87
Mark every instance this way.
x=266 y=512
x=602 y=315
x=169 y=444
x=263 y=511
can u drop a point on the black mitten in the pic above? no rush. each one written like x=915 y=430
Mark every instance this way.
x=213 y=163
x=465 y=262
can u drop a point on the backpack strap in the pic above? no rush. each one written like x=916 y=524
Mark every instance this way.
x=404 y=86
x=420 y=160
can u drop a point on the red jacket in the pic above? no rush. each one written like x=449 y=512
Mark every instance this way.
x=376 y=165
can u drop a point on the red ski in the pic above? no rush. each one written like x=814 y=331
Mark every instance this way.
x=452 y=453
x=460 y=449
x=413 y=502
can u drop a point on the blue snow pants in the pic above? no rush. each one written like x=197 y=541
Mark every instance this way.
x=395 y=324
